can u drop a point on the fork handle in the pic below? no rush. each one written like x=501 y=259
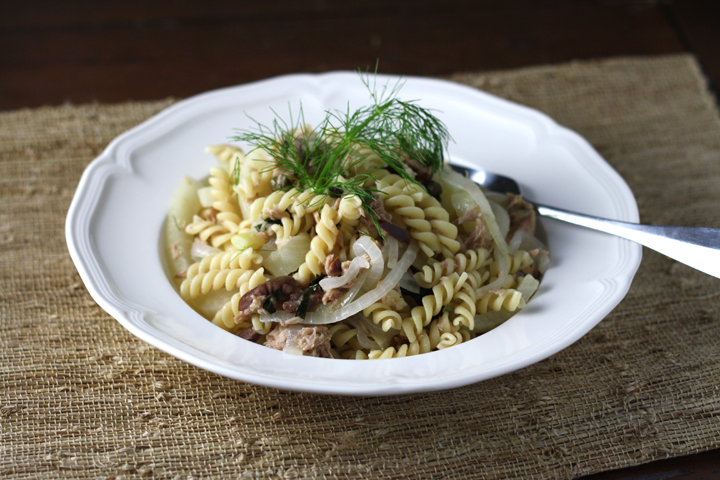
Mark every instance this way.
x=698 y=247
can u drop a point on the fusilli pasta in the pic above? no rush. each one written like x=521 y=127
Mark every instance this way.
x=330 y=244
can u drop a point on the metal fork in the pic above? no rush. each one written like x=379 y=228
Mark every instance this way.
x=698 y=247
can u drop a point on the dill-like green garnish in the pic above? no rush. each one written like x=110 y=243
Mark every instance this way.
x=313 y=288
x=393 y=129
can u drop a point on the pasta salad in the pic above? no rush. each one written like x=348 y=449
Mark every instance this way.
x=352 y=239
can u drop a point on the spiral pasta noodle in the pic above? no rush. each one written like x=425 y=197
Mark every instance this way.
x=351 y=209
x=225 y=316
x=388 y=256
x=401 y=200
x=278 y=201
x=442 y=295
x=253 y=174
x=384 y=316
x=466 y=307
x=326 y=233
x=469 y=261
x=496 y=300
x=209 y=231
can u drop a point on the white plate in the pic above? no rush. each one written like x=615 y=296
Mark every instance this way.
x=115 y=222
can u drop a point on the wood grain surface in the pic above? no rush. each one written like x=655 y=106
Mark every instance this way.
x=112 y=51
x=53 y=52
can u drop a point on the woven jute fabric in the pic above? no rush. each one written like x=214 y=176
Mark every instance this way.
x=80 y=397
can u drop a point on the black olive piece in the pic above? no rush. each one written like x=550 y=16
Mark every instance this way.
x=336 y=191
x=398 y=233
x=433 y=188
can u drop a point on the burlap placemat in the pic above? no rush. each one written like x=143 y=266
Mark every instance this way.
x=82 y=398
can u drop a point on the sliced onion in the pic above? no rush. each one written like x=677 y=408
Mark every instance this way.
x=268 y=248
x=205 y=196
x=487 y=321
x=348 y=297
x=362 y=332
x=365 y=326
x=408 y=283
x=496 y=197
x=390 y=252
x=288 y=257
x=382 y=289
x=503 y=272
x=200 y=250
x=352 y=293
x=543 y=261
x=458 y=181
x=462 y=203
x=358 y=263
x=278 y=316
x=363 y=245
x=368 y=277
x=502 y=217
x=365 y=342
x=522 y=240
x=528 y=286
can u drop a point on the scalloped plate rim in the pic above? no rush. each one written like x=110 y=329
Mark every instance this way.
x=96 y=286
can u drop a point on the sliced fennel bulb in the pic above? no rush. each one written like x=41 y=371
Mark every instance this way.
x=289 y=256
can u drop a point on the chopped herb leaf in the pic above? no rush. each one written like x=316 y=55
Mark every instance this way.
x=320 y=159
x=270 y=303
x=305 y=300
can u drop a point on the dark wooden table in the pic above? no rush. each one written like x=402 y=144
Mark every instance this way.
x=52 y=52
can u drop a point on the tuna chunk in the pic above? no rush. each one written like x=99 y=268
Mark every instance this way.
x=253 y=301
x=477 y=238
x=313 y=341
x=522 y=215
